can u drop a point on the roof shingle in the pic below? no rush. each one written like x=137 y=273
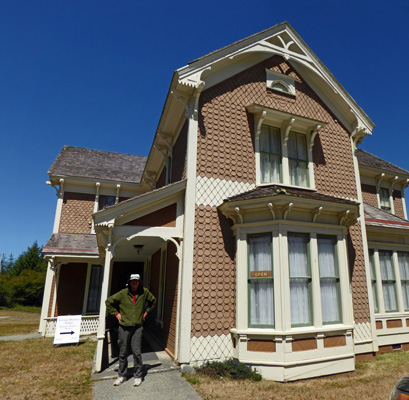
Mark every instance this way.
x=90 y=163
x=368 y=159
x=72 y=243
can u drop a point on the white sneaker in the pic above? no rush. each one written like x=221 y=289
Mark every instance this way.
x=137 y=382
x=119 y=381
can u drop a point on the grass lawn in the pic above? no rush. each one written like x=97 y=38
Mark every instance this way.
x=35 y=369
x=18 y=321
x=372 y=379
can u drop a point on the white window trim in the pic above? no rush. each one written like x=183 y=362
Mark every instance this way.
x=281 y=278
x=286 y=123
x=86 y=291
x=398 y=287
x=273 y=77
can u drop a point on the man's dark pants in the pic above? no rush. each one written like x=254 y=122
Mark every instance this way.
x=130 y=336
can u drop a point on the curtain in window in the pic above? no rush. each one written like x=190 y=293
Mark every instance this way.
x=373 y=280
x=404 y=277
x=270 y=154
x=328 y=280
x=261 y=290
x=297 y=154
x=384 y=199
x=388 y=280
x=299 y=279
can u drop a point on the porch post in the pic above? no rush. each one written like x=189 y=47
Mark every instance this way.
x=102 y=308
x=46 y=298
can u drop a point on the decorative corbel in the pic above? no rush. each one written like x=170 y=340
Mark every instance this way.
x=343 y=216
x=315 y=212
x=239 y=214
x=61 y=189
x=313 y=133
x=162 y=150
x=97 y=187
x=183 y=99
x=379 y=178
x=260 y=121
x=152 y=183
x=394 y=181
x=287 y=209
x=198 y=91
x=166 y=138
x=271 y=208
x=118 y=187
x=405 y=184
x=176 y=243
x=286 y=127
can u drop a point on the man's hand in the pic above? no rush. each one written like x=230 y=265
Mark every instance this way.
x=118 y=317
x=145 y=314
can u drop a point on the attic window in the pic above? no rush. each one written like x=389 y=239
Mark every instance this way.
x=280 y=82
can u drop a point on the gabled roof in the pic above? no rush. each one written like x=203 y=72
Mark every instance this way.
x=98 y=164
x=274 y=190
x=377 y=217
x=71 y=244
x=370 y=160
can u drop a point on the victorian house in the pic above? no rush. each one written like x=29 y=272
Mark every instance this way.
x=262 y=230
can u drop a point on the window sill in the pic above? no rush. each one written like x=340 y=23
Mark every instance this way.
x=292 y=331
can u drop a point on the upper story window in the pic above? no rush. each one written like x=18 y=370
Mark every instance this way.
x=384 y=199
x=283 y=147
x=105 y=201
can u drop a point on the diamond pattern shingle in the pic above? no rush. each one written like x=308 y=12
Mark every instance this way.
x=71 y=243
x=368 y=159
x=89 y=163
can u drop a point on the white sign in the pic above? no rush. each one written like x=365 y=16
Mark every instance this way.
x=67 y=329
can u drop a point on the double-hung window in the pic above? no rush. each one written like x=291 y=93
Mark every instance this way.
x=403 y=258
x=329 y=279
x=388 y=280
x=270 y=154
x=300 y=279
x=298 y=159
x=384 y=199
x=373 y=281
x=105 y=201
x=260 y=278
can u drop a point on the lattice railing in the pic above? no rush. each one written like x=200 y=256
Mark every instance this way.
x=89 y=325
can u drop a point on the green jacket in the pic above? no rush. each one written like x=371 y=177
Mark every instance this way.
x=131 y=313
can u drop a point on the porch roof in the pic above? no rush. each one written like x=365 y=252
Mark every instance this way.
x=71 y=243
x=379 y=218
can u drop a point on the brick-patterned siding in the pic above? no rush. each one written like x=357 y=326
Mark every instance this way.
x=226 y=151
x=214 y=279
x=358 y=275
x=76 y=213
x=369 y=195
x=398 y=204
x=179 y=155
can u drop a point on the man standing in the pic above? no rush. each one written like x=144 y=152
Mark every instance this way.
x=128 y=306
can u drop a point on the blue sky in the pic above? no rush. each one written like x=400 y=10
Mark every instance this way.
x=96 y=73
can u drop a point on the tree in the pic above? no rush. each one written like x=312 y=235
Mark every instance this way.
x=22 y=280
x=31 y=259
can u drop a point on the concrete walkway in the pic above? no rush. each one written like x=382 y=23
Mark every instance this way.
x=162 y=381
x=21 y=337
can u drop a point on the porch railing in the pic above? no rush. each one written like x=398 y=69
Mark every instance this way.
x=89 y=325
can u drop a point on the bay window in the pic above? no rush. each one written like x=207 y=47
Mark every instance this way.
x=388 y=280
x=300 y=279
x=329 y=279
x=403 y=259
x=261 y=289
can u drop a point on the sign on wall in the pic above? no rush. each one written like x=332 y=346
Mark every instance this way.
x=67 y=329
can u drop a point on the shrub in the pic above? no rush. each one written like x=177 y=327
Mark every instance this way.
x=228 y=369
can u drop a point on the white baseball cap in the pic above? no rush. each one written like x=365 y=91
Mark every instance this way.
x=134 y=277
